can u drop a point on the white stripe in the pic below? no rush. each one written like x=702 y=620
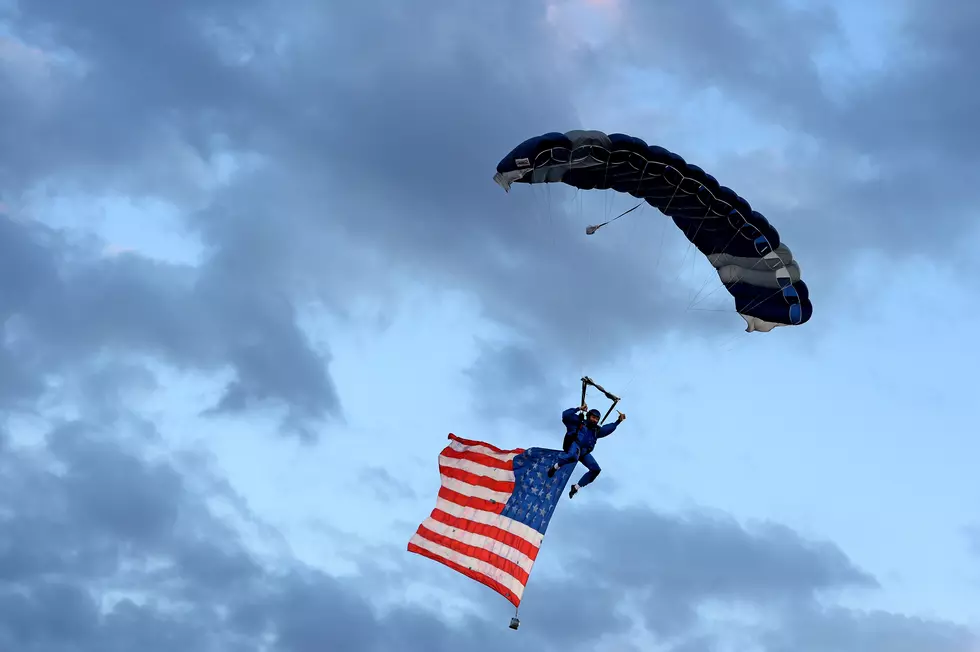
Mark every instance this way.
x=478 y=540
x=489 y=518
x=468 y=489
x=504 y=475
x=481 y=567
x=482 y=450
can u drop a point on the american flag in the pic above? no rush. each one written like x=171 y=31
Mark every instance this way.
x=491 y=513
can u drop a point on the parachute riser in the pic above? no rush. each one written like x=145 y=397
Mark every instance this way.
x=586 y=382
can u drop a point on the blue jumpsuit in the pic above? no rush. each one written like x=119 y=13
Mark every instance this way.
x=580 y=449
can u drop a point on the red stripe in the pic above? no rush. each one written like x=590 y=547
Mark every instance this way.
x=490 y=531
x=473 y=442
x=463 y=500
x=472 y=574
x=476 y=552
x=479 y=458
x=503 y=486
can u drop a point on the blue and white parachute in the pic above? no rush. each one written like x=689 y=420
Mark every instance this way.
x=755 y=266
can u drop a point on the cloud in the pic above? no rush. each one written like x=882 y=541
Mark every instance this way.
x=66 y=307
x=509 y=382
x=847 y=630
x=334 y=176
x=855 y=133
x=319 y=154
x=110 y=542
x=384 y=485
x=396 y=152
x=107 y=544
x=103 y=549
x=348 y=175
x=672 y=565
x=842 y=139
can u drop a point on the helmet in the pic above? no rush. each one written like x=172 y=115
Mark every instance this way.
x=594 y=413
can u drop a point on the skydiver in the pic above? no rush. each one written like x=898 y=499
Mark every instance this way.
x=581 y=436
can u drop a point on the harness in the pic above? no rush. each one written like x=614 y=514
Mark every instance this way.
x=586 y=381
x=569 y=438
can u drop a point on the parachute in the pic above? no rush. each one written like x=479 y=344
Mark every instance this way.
x=757 y=269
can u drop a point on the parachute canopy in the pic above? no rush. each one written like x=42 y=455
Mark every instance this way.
x=756 y=267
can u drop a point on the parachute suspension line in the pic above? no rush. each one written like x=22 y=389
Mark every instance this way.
x=605 y=197
x=542 y=206
x=695 y=300
x=760 y=300
x=660 y=253
x=580 y=277
x=663 y=230
x=699 y=299
x=591 y=313
x=591 y=230
x=690 y=244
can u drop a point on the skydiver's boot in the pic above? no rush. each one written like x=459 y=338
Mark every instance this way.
x=552 y=470
x=573 y=491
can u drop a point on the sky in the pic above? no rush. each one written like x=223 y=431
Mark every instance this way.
x=254 y=269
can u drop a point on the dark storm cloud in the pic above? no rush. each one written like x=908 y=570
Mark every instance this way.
x=712 y=554
x=758 y=52
x=381 y=125
x=63 y=307
x=909 y=122
x=509 y=381
x=92 y=520
x=151 y=82
x=673 y=564
x=386 y=486
x=138 y=73
x=393 y=154
x=818 y=629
